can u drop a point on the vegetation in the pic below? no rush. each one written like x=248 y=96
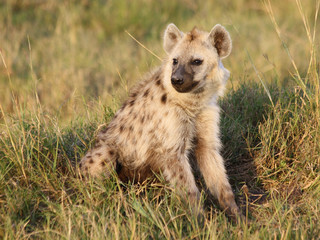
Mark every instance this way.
x=65 y=68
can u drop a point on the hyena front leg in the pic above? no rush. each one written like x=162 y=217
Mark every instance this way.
x=179 y=174
x=211 y=163
x=101 y=159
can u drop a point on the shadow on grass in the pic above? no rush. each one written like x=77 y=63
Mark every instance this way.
x=243 y=110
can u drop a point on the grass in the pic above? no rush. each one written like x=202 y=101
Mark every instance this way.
x=66 y=67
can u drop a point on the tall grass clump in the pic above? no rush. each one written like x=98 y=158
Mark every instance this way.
x=288 y=154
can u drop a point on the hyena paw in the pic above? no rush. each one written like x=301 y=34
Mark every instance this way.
x=98 y=162
x=90 y=166
x=84 y=166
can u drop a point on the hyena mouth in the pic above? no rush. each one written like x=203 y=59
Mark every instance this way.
x=186 y=87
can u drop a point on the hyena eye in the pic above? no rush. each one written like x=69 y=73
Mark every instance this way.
x=197 y=62
x=175 y=61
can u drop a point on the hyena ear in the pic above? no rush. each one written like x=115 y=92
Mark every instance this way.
x=220 y=39
x=171 y=36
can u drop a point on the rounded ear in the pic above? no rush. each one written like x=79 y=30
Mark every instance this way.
x=171 y=36
x=220 y=39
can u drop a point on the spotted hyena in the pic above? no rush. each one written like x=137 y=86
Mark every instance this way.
x=172 y=113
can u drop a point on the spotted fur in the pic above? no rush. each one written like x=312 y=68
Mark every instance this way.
x=155 y=128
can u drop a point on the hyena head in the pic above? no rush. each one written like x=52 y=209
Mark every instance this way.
x=194 y=59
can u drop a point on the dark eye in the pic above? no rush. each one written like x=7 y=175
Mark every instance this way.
x=197 y=62
x=175 y=61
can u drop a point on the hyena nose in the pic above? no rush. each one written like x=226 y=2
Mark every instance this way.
x=176 y=80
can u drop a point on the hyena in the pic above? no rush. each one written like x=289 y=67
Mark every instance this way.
x=172 y=113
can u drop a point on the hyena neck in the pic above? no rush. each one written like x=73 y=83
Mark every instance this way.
x=191 y=103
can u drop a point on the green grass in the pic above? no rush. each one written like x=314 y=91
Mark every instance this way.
x=67 y=66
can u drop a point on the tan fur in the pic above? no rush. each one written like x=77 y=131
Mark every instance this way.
x=154 y=131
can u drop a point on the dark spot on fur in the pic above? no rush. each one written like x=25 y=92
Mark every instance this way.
x=195 y=140
x=111 y=152
x=91 y=161
x=146 y=93
x=131 y=103
x=102 y=163
x=159 y=84
x=134 y=94
x=164 y=98
x=131 y=128
x=121 y=128
x=97 y=145
x=98 y=154
x=142 y=119
x=200 y=90
x=124 y=106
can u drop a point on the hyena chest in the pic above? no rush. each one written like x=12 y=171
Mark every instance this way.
x=179 y=130
x=165 y=137
x=168 y=136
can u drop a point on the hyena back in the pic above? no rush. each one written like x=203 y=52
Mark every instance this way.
x=170 y=114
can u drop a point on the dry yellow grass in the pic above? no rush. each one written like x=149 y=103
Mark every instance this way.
x=72 y=52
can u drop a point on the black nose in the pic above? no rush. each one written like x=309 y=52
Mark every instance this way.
x=176 y=80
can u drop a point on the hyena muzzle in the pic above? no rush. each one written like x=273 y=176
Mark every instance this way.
x=172 y=113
